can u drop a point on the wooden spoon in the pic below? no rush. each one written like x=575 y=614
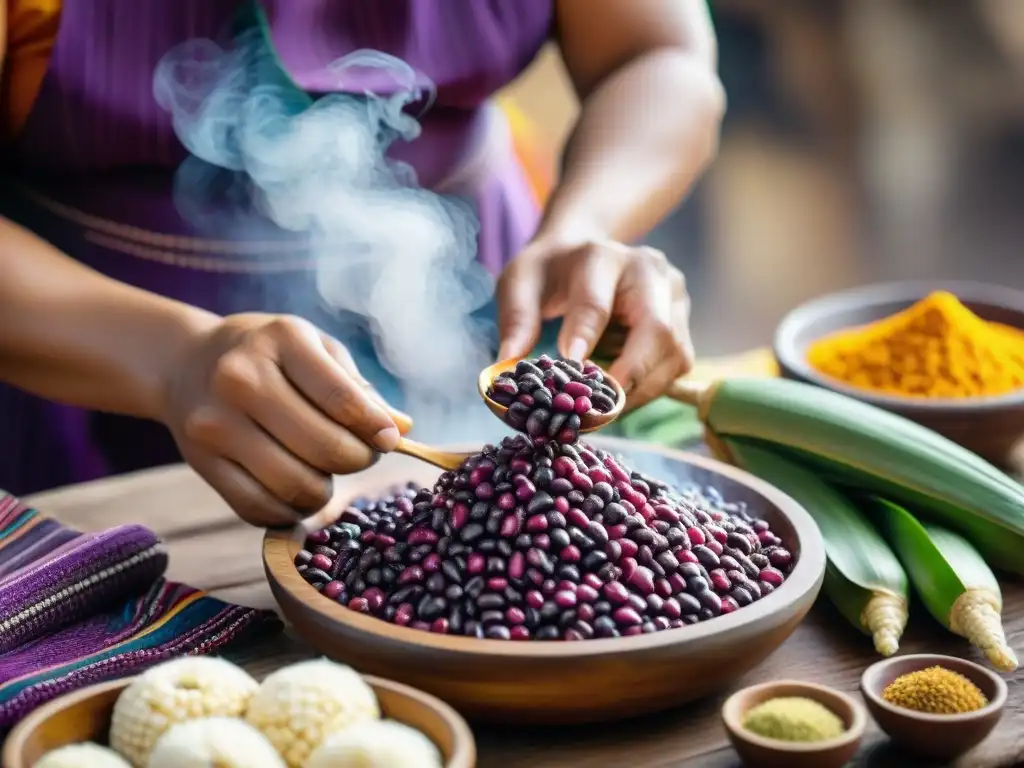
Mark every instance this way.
x=589 y=422
x=444 y=459
x=448 y=460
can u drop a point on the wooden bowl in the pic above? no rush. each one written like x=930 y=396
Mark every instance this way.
x=85 y=716
x=760 y=752
x=940 y=737
x=549 y=682
x=990 y=426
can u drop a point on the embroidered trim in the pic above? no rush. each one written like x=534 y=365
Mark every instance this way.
x=149 y=237
x=205 y=264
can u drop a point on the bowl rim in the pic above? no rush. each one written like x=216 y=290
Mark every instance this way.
x=731 y=717
x=279 y=546
x=995 y=705
x=789 y=356
x=463 y=750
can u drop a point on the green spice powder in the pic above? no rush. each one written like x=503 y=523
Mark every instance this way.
x=793 y=718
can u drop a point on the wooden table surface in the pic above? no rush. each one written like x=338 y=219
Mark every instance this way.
x=210 y=549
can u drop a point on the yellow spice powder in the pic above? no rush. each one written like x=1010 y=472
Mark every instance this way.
x=937 y=348
x=793 y=718
x=935 y=690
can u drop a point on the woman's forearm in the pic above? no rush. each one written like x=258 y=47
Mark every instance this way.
x=644 y=136
x=70 y=334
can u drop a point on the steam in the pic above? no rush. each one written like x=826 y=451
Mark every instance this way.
x=400 y=256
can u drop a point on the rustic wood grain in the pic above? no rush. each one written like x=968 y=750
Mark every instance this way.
x=209 y=551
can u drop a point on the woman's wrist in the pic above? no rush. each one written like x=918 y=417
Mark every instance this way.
x=178 y=329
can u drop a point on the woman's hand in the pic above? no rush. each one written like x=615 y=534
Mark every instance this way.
x=593 y=284
x=266 y=408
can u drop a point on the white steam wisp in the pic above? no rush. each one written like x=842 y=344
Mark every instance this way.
x=401 y=256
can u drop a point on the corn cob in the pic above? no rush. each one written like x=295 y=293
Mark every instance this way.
x=857 y=445
x=863 y=578
x=955 y=584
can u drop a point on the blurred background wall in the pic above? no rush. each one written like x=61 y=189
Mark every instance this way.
x=866 y=140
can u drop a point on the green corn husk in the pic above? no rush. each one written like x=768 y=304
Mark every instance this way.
x=865 y=448
x=954 y=582
x=863 y=577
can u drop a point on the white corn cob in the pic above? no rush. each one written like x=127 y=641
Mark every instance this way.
x=82 y=756
x=214 y=742
x=179 y=690
x=380 y=744
x=863 y=577
x=954 y=582
x=853 y=444
x=297 y=707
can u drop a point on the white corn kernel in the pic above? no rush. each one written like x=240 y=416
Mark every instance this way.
x=82 y=756
x=179 y=690
x=213 y=742
x=298 y=706
x=382 y=744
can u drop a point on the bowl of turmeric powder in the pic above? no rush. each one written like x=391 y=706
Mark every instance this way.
x=949 y=356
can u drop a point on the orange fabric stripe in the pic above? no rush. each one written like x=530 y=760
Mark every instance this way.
x=31 y=30
x=537 y=158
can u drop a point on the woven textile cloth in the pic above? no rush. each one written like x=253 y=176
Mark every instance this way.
x=81 y=608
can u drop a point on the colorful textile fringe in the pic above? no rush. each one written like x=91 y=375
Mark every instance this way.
x=81 y=608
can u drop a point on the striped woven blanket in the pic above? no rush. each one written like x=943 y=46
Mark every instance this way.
x=81 y=608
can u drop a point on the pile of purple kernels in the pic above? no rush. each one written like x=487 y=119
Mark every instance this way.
x=546 y=543
x=547 y=396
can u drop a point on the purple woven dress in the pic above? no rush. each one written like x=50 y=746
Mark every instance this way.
x=93 y=173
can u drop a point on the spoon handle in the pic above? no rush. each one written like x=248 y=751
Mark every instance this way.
x=443 y=459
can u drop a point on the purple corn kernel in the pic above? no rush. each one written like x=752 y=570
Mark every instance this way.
x=626 y=616
x=537 y=524
x=565 y=599
x=780 y=558
x=319 y=537
x=719 y=580
x=729 y=605
x=772 y=576
x=642 y=579
x=615 y=592
x=459 y=516
x=577 y=389
x=359 y=604
x=320 y=561
x=333 y=589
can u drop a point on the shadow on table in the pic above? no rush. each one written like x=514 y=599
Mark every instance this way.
x=879 y=755
x=885 y=755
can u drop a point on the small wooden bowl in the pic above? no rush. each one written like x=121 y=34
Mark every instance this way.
x=85 y=716
x=562 y=682
x=760 y=752
x=990 y=426
x=941 y=737
x=592 y=422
